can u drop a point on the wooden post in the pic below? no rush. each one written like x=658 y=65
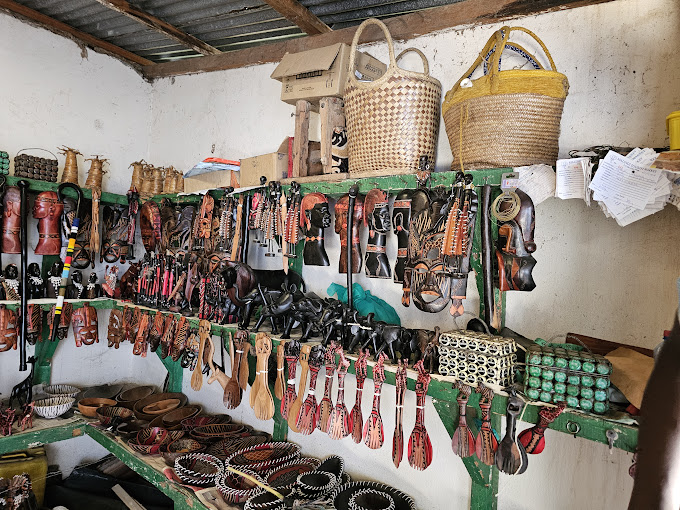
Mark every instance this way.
x=301 y=141
x=332 y=112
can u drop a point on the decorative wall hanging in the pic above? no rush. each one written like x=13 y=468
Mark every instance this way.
x=377 y=219
x=341 y=207
x=47 y=210
x=374 y=435
x=85 y=325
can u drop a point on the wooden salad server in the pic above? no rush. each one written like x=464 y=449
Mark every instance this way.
x=232 y=391
x=294 y=408
x=326 y=405
x=462 y=443
x=374 y=435
x=511 y=458
x=292 y=353
x=533 y=438
x=398 y=438
x=255 y=388
x=244 y=351
x=356 y=417
x=308 y=416
x=204 y=336
x=279 y=387
x=419 y=444
x=338 y=426
x=486 y=443
x=215 y=373
x=264 y=403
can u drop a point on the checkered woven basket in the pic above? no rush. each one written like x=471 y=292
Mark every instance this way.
x=392 y=122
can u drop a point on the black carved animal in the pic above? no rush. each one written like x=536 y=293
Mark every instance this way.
x=23 y=392
x=427 y=343
x=306 y=312
x=275 y=309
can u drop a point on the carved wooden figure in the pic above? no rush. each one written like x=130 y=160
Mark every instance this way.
x=11 y=221
x=377 y=219
x=34 y=324
x=315 y=216
x=341 y=207
x=115 y=330
x=36 y=284
x=93 y=289
x=10 y=283
x=85 y=325
x=47 y=210
x=401 y=222
x=54 y=279
x=150 y=225
x=516 y=246
x=9 y=328
x=76 y=288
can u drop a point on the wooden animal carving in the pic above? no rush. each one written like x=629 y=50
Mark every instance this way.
x=515 y=248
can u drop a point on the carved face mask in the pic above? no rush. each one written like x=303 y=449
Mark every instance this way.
x=150 y=225
x=35 y=322
x=85 y=325
x=430 y=286
x=114 y=235
x=115 y=331
x=64 y=320
x=8 y=329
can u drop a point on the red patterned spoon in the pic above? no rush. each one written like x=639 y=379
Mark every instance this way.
x=419 y=444
x=374 y=436
x=356 y=417
x=532 y=439
x=398 y=438
x=486 y=443
x=308 y=416
x=326 y=405
x=463 y=443
x=338 y=426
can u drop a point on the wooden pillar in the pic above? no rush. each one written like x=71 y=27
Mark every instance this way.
x=301 y=141
x=332 y=113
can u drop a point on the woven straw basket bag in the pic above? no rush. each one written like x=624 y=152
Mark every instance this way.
x=507 y=118
x=393 y=121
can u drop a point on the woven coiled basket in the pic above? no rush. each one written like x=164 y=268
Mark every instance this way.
x=392 y=122
x=506 y=118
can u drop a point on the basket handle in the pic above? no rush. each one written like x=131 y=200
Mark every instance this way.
x=355 y=42
x=37 y=149
x=426 y=65
x=501 y=38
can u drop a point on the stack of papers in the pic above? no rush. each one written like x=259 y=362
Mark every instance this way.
x=537 y=181
x=212 y=164
x=627 y=189
x=573 y=178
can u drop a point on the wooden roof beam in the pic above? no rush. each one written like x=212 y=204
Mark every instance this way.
x=293 y=11
x=60 y=28
x=157 y=24
x=403 y=28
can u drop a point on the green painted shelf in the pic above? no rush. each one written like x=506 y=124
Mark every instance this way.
x=51 y=431
x=37 y=186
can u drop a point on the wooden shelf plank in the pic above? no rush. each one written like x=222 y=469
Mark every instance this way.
x=37 y=186
x=46 y=304
x=44 y=432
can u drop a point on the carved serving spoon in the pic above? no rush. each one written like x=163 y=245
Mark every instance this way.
x=294 y=408
x=398 y=438
x=309 y=412
x=232 y=391
x=279 y=387
x=419 y=444
x=356 y=417
x=326 y=405
x=462 y=443
x=292 y=353
x=264 y=404
x=244 y=372
x=338 y=426
x=486 y=443
x=203 y=335
x=374 y=435
x=511 y=458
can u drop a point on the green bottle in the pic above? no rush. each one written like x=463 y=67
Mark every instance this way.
x=573 y=390
x=589 y=365
x=547 y=374
x=585 y=404
x=587 y=392
x=548 y=360
x=560 y=387
x=535 y=358
x=560 y=376
x=561 y=360
x=557 y=397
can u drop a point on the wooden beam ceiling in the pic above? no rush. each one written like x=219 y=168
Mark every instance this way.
x=293 y=11
x=403 y=27
x=63 y=29
x=157 y=24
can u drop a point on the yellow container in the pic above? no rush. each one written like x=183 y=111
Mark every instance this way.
x=673 y=129
x=33 y=462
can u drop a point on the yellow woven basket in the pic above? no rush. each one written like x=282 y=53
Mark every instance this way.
x=392 y=122
x=506 y=118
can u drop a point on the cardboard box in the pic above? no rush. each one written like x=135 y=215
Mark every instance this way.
x=274 y=166
x=212 y=180
x=322 y=72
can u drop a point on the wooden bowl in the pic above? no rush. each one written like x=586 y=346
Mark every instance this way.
x=180 y=447
x=107 y=414
x=128 y=430
x=88 y=406
x=197 y=421
x=174 y=418
x=216 y=431
x=155 y=397
x=162 y=406
x=128 y=398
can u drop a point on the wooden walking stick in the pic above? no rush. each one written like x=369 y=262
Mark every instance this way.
x=23 y=192
x=75 y=224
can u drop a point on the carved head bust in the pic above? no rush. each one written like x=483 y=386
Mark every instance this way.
x=314 y=211
x=376 y=211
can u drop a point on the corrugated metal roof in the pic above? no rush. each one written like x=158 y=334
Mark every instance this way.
x=224 y=24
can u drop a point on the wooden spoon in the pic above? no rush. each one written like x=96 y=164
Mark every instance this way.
x=463 y=442
x=215 y=373
x=264 y=403
x=244 y=350
x=279 y=386
x=232 y=392
x=294 y=409
x=204 y=335
x=511 y=458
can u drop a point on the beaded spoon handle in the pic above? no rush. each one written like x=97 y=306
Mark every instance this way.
x=374 y=435
x=356 y=417
x=338 y=426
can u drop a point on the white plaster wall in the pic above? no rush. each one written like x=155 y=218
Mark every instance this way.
x=593 y=277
